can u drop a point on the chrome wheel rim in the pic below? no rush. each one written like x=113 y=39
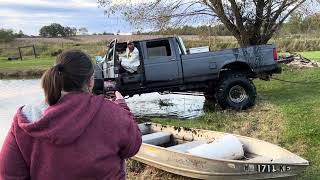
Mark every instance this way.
x=237 y=94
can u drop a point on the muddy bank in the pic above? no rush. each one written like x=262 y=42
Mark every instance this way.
x=21 y=74
x=297 y=60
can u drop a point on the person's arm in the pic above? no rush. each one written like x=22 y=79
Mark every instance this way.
x=12 y=164
x=130 y=138
x=120 y=101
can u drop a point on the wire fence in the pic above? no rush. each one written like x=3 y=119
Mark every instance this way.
x=49 y=49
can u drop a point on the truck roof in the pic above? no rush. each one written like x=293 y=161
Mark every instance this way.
x=151 y=39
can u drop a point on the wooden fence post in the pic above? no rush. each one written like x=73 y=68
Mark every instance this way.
x=34 y=51
x=20 y=53
x=32 y=46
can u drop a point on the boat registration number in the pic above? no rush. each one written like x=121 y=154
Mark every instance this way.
x=266 y=168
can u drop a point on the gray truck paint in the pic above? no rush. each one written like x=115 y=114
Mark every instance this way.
x=179 y=71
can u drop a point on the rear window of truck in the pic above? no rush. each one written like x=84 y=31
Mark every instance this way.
x=158 y=48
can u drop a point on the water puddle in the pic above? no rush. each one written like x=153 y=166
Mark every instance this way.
x=16 y=93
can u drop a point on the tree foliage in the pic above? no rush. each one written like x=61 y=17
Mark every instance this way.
x=83 y=31
x=56 y=30
x=6 y=35
x=297 y=24
x=300 y=24
x=218 y=30
x=251 y=22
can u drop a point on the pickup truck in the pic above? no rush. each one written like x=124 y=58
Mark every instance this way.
x=167 y=66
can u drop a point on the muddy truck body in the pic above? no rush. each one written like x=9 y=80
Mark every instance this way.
x=167 y=66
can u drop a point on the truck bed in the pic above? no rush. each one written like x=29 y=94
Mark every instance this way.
x=209 y=64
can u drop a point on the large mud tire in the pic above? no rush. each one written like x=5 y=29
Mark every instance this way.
x=236 y=91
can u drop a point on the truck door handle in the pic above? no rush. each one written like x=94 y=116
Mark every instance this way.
x=212 y=65
x=173 y=59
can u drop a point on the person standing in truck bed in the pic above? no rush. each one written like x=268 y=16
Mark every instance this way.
x=72 y=134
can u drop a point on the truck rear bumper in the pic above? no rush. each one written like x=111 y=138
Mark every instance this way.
x=270 y=69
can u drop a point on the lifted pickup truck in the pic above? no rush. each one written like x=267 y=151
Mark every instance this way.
x=167 y=66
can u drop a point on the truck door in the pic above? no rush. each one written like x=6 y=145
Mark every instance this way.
x=160 y=62
x=110 y=63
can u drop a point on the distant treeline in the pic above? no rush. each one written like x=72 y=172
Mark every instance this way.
x=297 y=24
x=55 y=30
x=300 y=24
x=7 y=35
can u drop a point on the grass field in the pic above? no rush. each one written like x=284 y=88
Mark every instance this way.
x=44 y=62
x=286 y=114
x=96 y=44
x=313 y=55
x=26 y=64
x=27 y=68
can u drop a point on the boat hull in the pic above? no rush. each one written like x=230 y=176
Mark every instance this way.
x=285 y=163
x=202 y=168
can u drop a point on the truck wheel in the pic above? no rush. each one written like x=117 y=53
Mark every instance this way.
x=236 y=91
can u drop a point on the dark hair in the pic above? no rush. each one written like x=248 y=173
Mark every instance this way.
x=72 y=71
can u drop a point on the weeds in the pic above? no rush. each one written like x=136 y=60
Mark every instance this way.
x=286 y=114
x=96 y=45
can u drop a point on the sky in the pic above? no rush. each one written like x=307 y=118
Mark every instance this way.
x=30 y=15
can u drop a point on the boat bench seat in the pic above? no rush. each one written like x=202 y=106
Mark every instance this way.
x=156 y=138
x=144 y=129
x=186 y=146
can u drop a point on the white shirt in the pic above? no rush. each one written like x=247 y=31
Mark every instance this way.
x=131 y=62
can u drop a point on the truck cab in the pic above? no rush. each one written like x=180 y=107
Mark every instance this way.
x=166 y=65
x=159 y=63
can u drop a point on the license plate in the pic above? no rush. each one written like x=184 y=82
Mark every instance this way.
x=266 y=168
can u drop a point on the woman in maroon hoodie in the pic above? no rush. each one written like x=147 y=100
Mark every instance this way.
x=72 y=134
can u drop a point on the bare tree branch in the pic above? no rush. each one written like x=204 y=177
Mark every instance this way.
x=251 y=22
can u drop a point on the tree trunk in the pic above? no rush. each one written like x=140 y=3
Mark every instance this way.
x=252 y=39
x=244 y=41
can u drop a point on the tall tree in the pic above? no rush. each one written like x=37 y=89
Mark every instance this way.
x=251 y=22
x=83 y=31
x=55 y=30
x=68 y=31
x=19 y=34
x=6 y=35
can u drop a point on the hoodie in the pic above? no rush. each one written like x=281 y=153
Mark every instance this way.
x=81 y=137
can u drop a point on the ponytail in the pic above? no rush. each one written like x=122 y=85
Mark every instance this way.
x=52 y=84
x=73 y=70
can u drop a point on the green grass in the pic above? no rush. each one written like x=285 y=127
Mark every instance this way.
x=300 y=105
x=286 y=114
x=313 y=55
x=26 y=64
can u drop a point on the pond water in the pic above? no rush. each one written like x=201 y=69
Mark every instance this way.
x=16 y=93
